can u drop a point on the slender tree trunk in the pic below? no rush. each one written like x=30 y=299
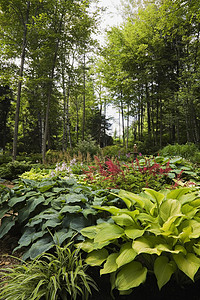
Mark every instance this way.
x=77 y=119
x=127 y=135
x=161 y=123
x=64 y=112
x=104 y=127
x=83 y=124
x=23 y=53
x=123 y=131
x=148 y=111
x=67 y=112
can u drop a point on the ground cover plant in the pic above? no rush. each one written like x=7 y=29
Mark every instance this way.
x=58 y=275
x=157 y=233
x=47 y=212
x=154 y=172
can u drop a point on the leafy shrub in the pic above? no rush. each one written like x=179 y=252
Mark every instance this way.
x=156 y=233
x=4 y=158
x=61 y=275
x=12 y=170
x=186 y=151
x=48 y=212
x=87 y=146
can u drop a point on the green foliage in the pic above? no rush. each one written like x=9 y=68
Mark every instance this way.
x=186 y=151
x=12 y=170
x=130 y=176
x=157 y=232
x=36 y=174
x=87 y=146
x=47 y=212
x=61 y=275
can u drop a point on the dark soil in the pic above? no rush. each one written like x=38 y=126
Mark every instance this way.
x=148 y=291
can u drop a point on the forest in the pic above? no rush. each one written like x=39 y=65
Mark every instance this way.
x=57 y=81
x=87 y=212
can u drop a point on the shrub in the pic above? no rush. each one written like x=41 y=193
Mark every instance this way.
x=87 y=146
x=157 y=233
x=61 y=275
x=186 y=151
x=12 y=170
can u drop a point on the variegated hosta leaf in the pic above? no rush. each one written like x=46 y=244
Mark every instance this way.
x=130 y=276
x=163 y=270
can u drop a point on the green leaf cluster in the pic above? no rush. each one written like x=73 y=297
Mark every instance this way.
x=46 y=213
x=61 y=275
x=157 y=232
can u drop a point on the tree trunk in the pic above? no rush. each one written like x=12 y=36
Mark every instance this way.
x=83 y=124
x=51 y=77
x=127 y=135
x=123 y=131
x=23 y=53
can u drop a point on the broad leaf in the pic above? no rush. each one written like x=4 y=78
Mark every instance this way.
x=188 y=263
x=130 y=276
x=109 y=232
x=170 y=208
x=123 y=220
x=42 y=245
x=155 y=196
x=126 y=255
x=110 y=265
x=163 y=270
x=177 y=193
x=6 y=224
x=147 y=245
x=15 y=200
x=70 y=209
x=133 y=233
x=97 y=257
x=131 y=198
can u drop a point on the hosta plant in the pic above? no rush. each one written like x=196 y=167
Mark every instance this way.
x=61 y=275
x=157 y=232
x=46 y=213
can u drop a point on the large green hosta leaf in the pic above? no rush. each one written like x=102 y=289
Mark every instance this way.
x=170 y=208
x=155 y=196
x=188 y=263
x=178 y=193
x=123 y=220
x=110 y=264
x=126 y=255
x=96 y=257
x=108 y=232
x=163 y=269
x=130 y=276
x=130 y=199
